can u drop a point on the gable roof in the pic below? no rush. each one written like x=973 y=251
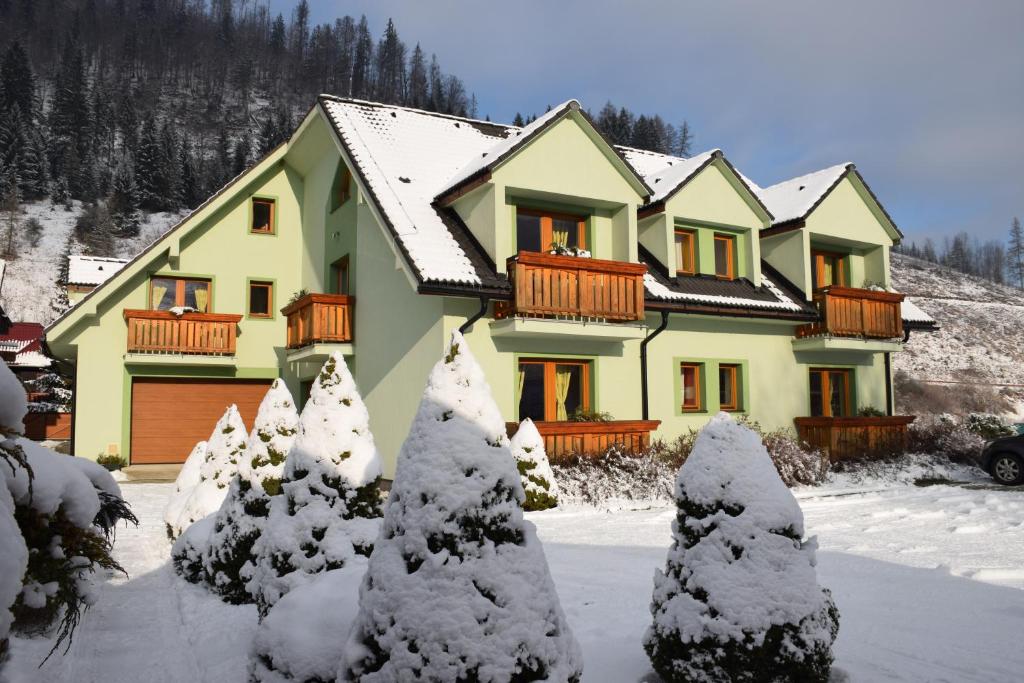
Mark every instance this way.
x=793 y=200
x=668 y=174
x=92 y=270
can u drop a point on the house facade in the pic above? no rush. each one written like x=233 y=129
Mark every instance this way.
x=677 y=288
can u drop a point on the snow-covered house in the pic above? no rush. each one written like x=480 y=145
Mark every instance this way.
x=85 y=273
x=590 y=281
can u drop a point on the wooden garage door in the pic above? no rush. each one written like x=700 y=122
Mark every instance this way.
x=170 y=415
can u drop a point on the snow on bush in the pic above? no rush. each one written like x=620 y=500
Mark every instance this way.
x=188 y=479
x=224 y=450
x=330 y=508
x=739 y=598
x=13 y=402
x=298 y=640
x=13 y=562
x=534 y=470
x=187 y=551
x=616 y=480
x=945 y=435
x=458 y=587
x=243 y=514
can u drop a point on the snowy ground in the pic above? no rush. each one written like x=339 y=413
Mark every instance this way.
x=929 y=582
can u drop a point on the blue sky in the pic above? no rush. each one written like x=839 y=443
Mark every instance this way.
x=926 y=97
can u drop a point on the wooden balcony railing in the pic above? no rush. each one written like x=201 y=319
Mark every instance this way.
x=849 y=312
x=317 y=318
x=562 y=439
x=211 y=334
x=545 y=285
x=855 y=438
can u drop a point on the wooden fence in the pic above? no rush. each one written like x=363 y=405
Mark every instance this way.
x=212 y=334
x=320 y=318
x=849 y=312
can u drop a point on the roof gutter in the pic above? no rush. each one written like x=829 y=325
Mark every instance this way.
x=466 y=326
x=644 y=404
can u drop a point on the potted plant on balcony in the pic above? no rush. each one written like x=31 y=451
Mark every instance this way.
x=559 y=249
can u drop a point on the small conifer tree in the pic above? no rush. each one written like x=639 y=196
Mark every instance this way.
x=188 y=478
x=534 y=468
x=739 y=599
x=329 y=509
x=242 y=515
x=457 y=586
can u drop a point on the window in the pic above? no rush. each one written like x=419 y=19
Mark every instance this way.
x=538 y=231
x=828 y=269
x=729 y=387
x=261 y=299
x=725 y=256
x=344 y=188
x=830 y=392
x=690 y=381
x=339 y=275
x=166 y=293
x=686 y=261
x=263 y=216
x=553 y=390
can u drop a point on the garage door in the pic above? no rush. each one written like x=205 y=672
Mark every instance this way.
x=170 y=415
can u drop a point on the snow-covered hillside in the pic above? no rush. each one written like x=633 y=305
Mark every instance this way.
x=31 y=279
x=980 y=322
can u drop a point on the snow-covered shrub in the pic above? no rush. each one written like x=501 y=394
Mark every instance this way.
x=739 y=598
x=534 y=470
x=458 y=588
x=63 y=509
x=298 y=640
x=188 y=478
x=945 y=435
x=988 y=426
x=329 y=510
x=187 y=551
x=243 y=514
x=614 y=480
x=797 y=463
x=224 y=451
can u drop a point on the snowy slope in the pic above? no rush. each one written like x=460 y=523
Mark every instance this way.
x=31 y=279
x=980 y=338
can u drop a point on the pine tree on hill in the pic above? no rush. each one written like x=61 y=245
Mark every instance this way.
x=361 y=83
x=684 y=146
x=518 y=120
x=243 y=513
x=738 y=599
x=123 y=202
x=419 y=88
x=330 y=507
x=534 y=469
x=17 y=83
x=458 y=588
x=149 y=167
x=1015 y=264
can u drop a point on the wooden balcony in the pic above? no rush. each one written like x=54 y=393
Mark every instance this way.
x=861 y=313
x=563 y=439
x=549 y=286
x=211 y=334
x=855 y=438
x=320 y=318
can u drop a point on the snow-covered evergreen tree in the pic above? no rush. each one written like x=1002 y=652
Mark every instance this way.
x=224 y=450
x=739 y=598
x=458 y=587
x=534 y=468
x=330 y=510
x=188 y=478
x=243 y=514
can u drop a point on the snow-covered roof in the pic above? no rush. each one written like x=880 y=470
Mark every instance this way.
x=659 y=290
x=793 y=199
x=912 y=313
x=31 y=359
x=92 y=270
x=407 y=157
x=672 y=174
x=12 y=345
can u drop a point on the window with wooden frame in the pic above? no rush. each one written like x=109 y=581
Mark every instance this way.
x=263 y=211
x=690 y=382
x=725 y=256
x=831 y=392
x=166 y=293
x=829 y=269
x=553 y=390
x=343 y=191
x=686 y=252
x=261 y=299
x=729 y=387
x=340 y=275
x=543 y=231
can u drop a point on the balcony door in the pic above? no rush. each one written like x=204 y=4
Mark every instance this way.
x=166 y=293
x=553 y=390
x=540 y=231
x=828 y=269
x=831 y=392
